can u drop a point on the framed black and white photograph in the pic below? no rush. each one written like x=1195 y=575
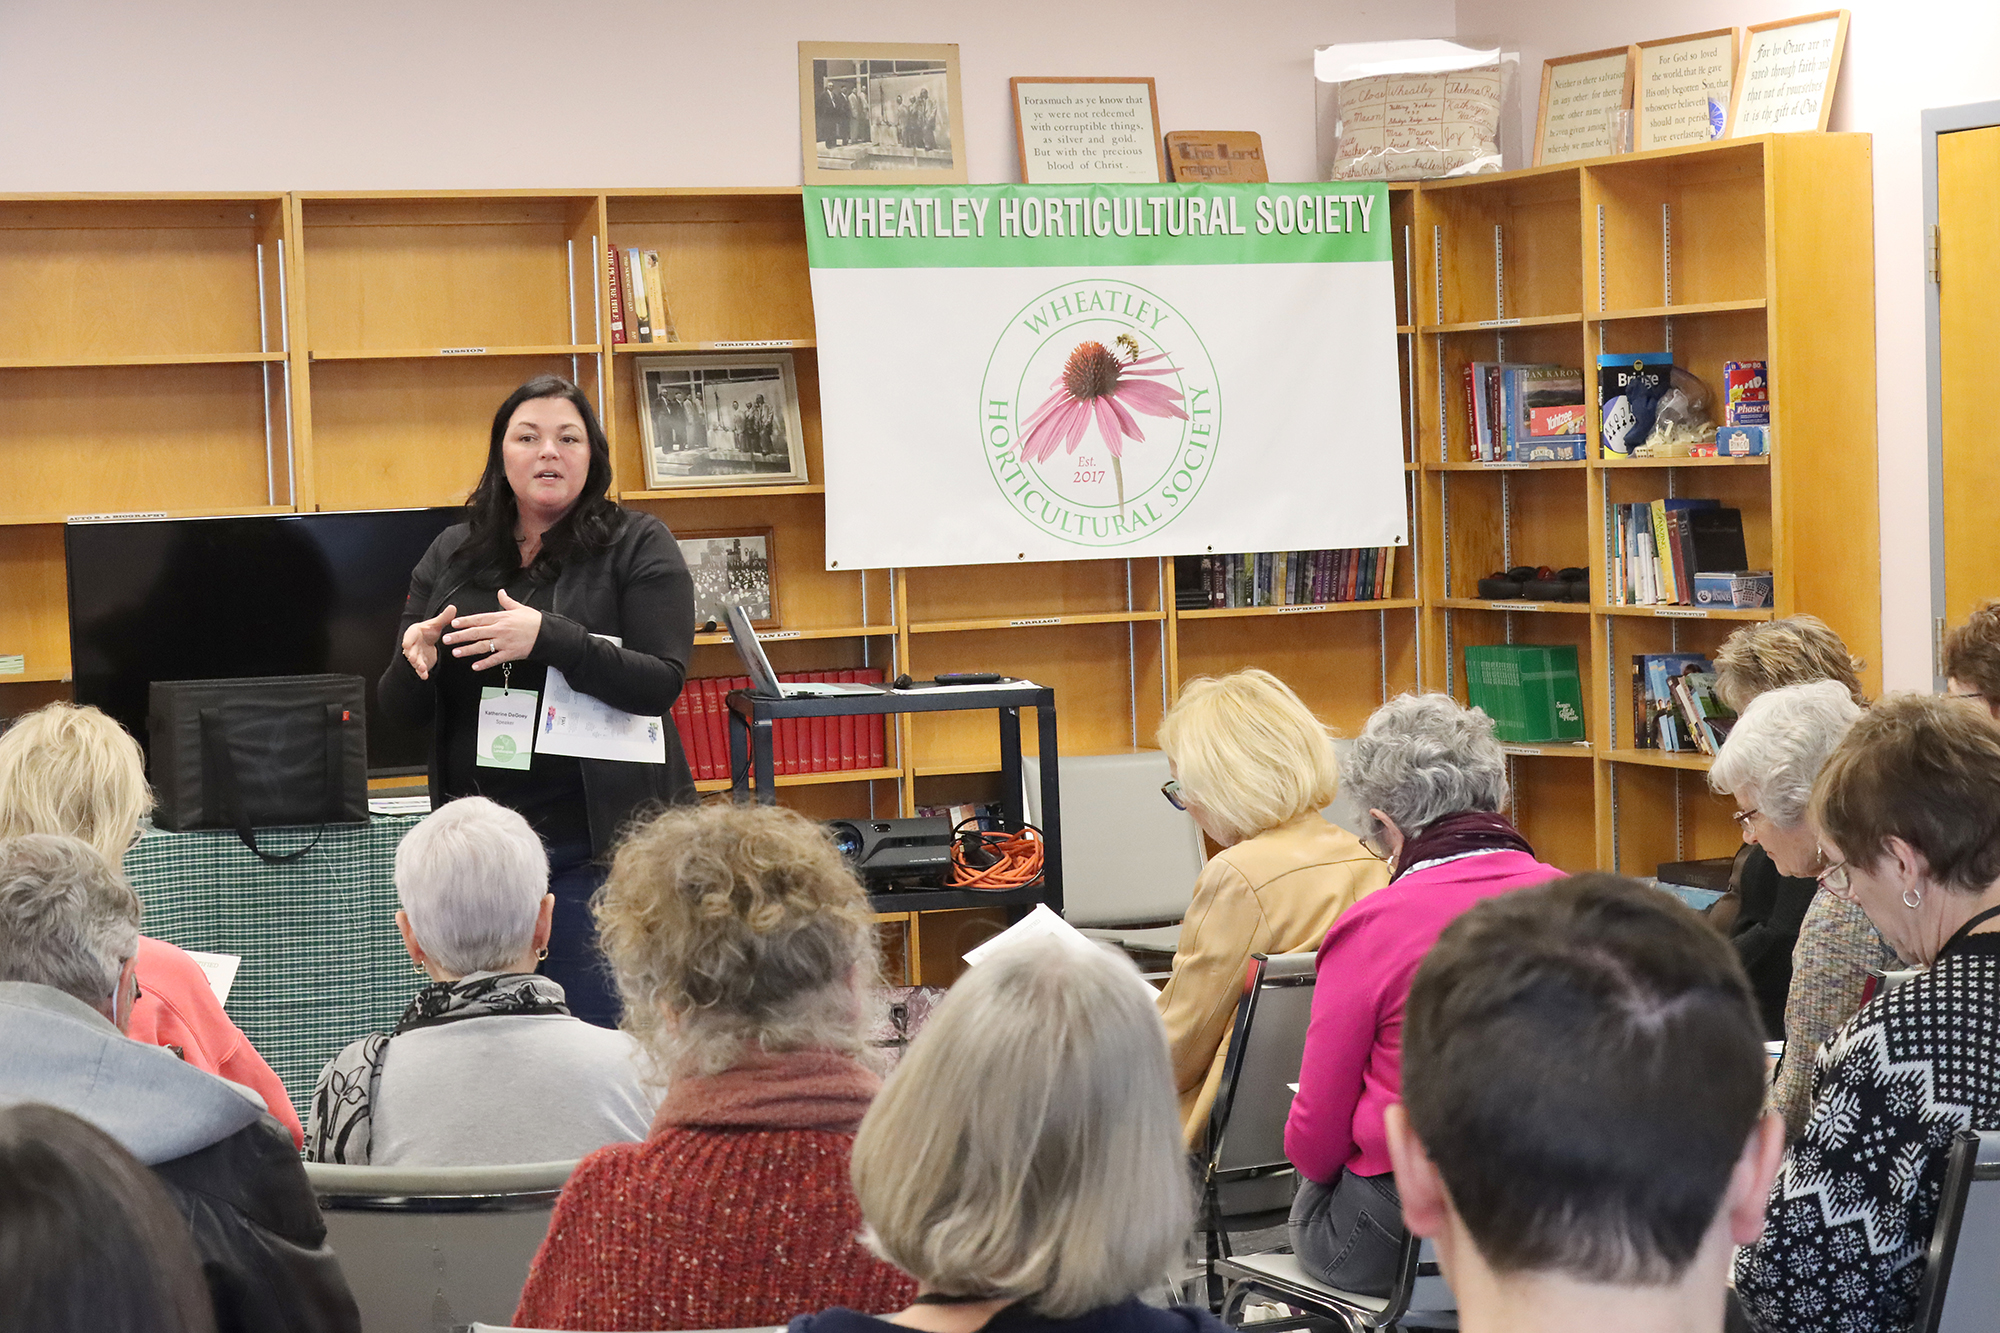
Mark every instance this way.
x=731 y=568
x=890 y=110
x=721 y=420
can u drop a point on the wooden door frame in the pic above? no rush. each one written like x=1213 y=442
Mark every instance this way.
x=1938 y=121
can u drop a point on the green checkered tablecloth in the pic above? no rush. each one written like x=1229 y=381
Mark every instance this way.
x=322 y=962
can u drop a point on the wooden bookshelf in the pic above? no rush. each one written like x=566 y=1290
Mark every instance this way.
x=1743 y=250
x=256 y=353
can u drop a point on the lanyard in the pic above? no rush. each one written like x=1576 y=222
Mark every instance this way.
x=1964 y=931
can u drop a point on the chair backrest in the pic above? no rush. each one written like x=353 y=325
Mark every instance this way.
x=1961 y=1285
x=431 y=1250
x=1246 y=1126
x=1129 y=858
x=1345 y=811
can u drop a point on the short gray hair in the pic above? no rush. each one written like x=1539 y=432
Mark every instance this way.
x=68 y=918
x=471 y=876
x=1028 y=1146
x=1777 y=748
x=1424 y=756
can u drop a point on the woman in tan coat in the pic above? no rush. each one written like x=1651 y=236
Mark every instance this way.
x=1254 y=768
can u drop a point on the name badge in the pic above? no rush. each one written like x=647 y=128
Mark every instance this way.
x=506 y=728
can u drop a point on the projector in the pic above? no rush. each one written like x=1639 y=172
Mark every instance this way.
x=895 y=851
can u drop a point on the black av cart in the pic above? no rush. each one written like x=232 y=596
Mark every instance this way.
x=751 y=767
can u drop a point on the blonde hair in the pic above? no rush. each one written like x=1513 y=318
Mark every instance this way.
x=1797 y=650
x=76 y=772
x=1249 y=751
x=1028 y=1145
x=737 y=926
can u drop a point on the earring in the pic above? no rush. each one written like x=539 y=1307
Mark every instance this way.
x=541 y=955
x=422 y=971
x=1913 y=898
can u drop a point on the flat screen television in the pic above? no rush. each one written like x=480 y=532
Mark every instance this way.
x=271 y=595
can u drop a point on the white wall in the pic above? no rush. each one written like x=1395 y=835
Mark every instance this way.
x=439 y=94
x=435 y=94
x=1901 y=59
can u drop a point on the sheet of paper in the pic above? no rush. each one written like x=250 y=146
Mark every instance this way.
x=1040 y=924
x=578 y=724
x=960 y=689
x=399 y=805
x=220 y=969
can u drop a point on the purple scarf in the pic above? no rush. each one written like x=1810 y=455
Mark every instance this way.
x=1457 y=834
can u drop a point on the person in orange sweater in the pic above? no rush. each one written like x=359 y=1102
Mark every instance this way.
x=745 y=952
x=75 y=771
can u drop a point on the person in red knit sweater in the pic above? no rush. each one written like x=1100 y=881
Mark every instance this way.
x=76 y=772
x=745 y=953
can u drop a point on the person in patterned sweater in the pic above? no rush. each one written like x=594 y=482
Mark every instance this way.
x=745 y=952
x=1908 y=810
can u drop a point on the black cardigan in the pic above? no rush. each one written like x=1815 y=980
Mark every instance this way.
x=637 y=589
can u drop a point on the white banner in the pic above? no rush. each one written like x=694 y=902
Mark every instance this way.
x=1013 y=373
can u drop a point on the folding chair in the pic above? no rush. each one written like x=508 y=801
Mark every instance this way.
x=435 y=1248
x=1247 y=1181
x=1961 y=1286
x=1130 y=860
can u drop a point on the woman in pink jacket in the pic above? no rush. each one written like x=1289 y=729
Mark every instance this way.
x=1432 y=779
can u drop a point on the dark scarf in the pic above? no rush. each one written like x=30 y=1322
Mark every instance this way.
x=1457 y=834
x=343 y=1103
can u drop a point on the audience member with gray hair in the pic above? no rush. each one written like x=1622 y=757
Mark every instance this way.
x=69 y=938
x=1769 y=764
x=487 y=1066
x=1026 y=1157
x=1432 y=778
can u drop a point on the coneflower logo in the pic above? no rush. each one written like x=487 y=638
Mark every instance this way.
x=1099 y=412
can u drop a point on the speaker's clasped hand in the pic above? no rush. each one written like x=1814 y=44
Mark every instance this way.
x=493 y=637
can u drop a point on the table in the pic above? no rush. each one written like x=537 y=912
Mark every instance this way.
x=322 y=962
x=750 y=757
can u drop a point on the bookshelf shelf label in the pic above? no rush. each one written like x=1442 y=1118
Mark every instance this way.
x=116 y=518
x=15 y=664
x=1499 y=323
x=1289 y=610
x=740 y=344
x=1035 y=620
x=1681 y=612
x=461 y=351
x=1517 y=606
x=768 y=637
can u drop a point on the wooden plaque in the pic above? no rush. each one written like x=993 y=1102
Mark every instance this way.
x=1087 y=129
x=1235 y=156
x=1786 y=79
x=1681 y=89
x=1577 y=91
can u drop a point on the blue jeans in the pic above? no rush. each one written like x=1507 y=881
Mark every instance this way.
x=575 y=962
x=1350 y=1234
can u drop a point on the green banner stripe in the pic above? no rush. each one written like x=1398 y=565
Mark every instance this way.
x=1058 y=226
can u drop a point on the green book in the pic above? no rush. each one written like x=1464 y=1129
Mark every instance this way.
x=1533 y=693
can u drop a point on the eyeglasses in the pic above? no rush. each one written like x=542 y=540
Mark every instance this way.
x=1171 y=789
x=1743 y=818
x=1376 y=844
x=1967 y=694
x=1836 y=881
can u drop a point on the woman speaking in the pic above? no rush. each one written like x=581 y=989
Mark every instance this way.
x=546 y=572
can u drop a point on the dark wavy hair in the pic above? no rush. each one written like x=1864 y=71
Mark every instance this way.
x=590 y=524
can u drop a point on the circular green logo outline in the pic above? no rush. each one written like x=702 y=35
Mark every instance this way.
x=1002 y=459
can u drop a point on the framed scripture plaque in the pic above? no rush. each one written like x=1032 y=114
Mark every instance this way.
x=1577 y=93
x=880 y=113
x=1682 y=93
x=1785 y=82
x=1087 y=130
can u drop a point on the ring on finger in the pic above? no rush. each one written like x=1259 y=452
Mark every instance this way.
x=492 y=647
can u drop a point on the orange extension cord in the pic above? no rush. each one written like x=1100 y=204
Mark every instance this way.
x=991 y=859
